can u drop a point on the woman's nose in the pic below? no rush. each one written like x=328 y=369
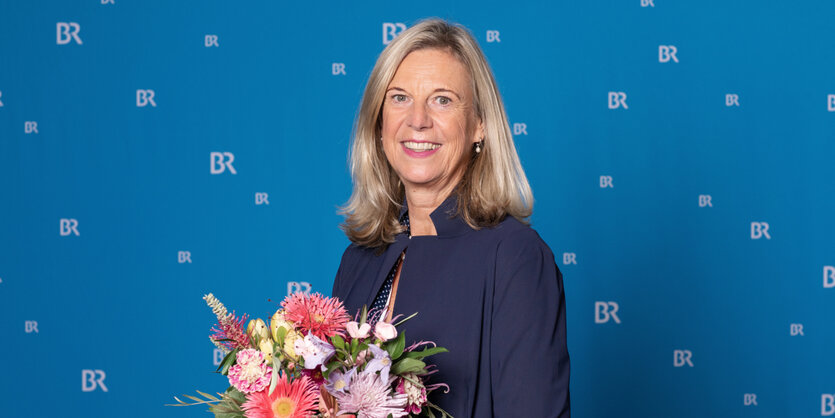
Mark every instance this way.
x=419 y=118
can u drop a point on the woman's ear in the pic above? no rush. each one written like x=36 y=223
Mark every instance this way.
x=478 y=135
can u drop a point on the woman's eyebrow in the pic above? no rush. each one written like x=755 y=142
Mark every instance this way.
x=440 y=89
x=447 y=90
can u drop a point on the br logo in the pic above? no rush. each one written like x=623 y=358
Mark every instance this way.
x=827 y=404
x=606 y=182
x=338 y=68
x=184 y=257
x=493 y=36
x=391 y=30
x=67 y=32
x=30 y=127
x=520 y=129
x=617 y=99
x=704 y=201
x=221 y=161
x=749 y=399
x=647 y=3
x=682 y=357
x=293 y=287
x=210 y=41
x=732 y=100
x=667 y=53
x=759 y=230
x=828 y=277
x=262 y=199
x=68 y=227
x=31 y=327
x=830 y=102
x=91 y=379
x=604 y=311
x=217 y=356
x=796 y=329
x=569 y=258
x=145 y=97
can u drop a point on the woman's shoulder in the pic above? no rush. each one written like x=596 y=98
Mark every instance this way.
x=515 y=232
x=519 y=241
x=354 y=252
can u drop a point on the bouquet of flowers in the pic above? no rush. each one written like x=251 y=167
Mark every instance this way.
x=312 y=360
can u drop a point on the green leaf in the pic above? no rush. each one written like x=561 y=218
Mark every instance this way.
x=338 y=342
x=395 y=348
x=408 y=365
x=364 y=314
x=274 y=377
x=281 y=334
x=425 y=353
x=331 y=367
x=207 y=395
x=228 y=359
x=195 y=399
x=405 y=319
x=236 y=395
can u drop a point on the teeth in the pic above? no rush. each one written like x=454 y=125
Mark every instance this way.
x=421 y=146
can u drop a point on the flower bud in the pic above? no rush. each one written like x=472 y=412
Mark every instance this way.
x=290 y=344
x=385 y=331
x=256 y=328
x=278 y=321
x=356 y=330
x=266 y=347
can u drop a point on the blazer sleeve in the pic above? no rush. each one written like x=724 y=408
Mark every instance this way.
x=529 y=354
x=337 y=290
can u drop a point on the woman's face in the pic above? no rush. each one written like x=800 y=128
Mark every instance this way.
x=429 y=122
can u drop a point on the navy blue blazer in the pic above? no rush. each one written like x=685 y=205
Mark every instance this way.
x=493 y=297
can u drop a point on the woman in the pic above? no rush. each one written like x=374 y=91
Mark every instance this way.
x=437 y=221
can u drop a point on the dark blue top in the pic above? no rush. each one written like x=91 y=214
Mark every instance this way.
x=493 y=297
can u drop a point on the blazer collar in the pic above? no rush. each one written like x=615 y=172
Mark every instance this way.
x=444 y=217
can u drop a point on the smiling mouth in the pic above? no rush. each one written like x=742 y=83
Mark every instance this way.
x=420 y=146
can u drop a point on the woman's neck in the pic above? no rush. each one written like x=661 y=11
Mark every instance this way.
x=422 y=202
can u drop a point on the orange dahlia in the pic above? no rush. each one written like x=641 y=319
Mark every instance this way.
x=320 y=315
x=290 y=399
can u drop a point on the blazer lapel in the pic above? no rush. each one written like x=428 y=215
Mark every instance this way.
x=389 y=257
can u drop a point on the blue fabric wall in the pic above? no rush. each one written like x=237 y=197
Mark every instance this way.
x=701 y=210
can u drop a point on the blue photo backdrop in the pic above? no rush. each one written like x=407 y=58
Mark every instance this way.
x=680 y=154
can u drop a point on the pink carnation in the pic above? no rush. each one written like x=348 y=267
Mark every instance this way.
x=250 y=373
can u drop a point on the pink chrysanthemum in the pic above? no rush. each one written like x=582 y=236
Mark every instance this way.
x=322 y=316
x=250 y=373
x=369 y=397
x=298 y=398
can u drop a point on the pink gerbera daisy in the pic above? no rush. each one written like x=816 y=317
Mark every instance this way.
x=290 y=399
x=320 y=315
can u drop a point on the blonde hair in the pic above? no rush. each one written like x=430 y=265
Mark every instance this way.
x=494 y=184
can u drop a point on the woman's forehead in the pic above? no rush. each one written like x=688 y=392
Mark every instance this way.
x=432 y=68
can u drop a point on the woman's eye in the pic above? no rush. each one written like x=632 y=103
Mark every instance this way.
x=443 y=100
x=399 y=98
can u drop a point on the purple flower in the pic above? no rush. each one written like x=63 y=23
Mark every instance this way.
x=381 y=362
x=338 y=382
x=315 y=351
